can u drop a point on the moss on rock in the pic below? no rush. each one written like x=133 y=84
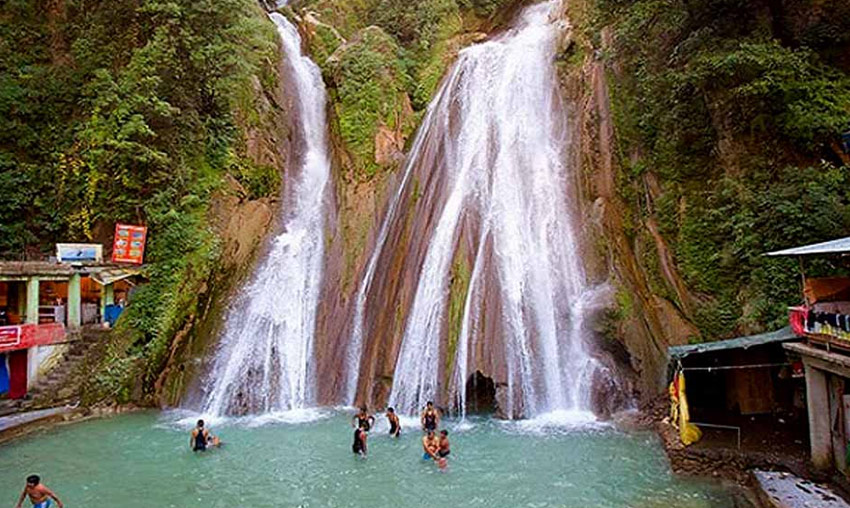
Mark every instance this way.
x=370 y=90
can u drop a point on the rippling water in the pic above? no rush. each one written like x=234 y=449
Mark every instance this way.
x=143 y=460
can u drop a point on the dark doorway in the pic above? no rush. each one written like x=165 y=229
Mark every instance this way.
x=480 y=394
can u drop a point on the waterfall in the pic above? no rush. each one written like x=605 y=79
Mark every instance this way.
x=497 y=128
x=264 y=361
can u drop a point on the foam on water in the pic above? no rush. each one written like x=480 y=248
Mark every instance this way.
x=185 y=419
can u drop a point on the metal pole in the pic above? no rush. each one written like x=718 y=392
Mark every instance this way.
x=727 y=427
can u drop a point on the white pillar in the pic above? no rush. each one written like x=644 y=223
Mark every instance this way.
x=820 y=436
x=32 y=300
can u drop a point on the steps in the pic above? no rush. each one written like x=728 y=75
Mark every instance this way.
x=62 y=382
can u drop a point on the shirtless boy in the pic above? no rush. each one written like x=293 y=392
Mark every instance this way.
x=40 y=495
x=445 y=448
x=430 y=446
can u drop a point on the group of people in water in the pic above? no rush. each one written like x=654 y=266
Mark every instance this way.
x=434 y=447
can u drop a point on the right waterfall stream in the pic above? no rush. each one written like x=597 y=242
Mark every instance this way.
x=484 y=228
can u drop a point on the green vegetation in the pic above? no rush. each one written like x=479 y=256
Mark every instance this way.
x=735 y=109
x=397 y=52
x=458 y=289
x=486 y=8
x=130 y=111
x=370 y=93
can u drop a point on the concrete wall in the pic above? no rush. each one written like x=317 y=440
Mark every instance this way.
x=40 y=361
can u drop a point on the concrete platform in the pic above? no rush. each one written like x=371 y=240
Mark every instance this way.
x=784 y=490
x=14 y=421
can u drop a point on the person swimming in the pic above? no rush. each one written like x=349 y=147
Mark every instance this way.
x=430 y=417
x=361 y=433
x=395 y=425
x=363 y=417
x=430 y=446
x=39 y=495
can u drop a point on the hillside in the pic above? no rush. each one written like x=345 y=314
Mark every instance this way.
x=707 y=133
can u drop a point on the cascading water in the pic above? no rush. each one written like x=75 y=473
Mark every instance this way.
x=264 y=359
x=497 y=128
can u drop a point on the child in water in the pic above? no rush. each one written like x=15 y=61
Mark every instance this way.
x=360 y=435
x=395 y=425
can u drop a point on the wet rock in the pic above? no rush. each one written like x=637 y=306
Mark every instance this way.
x=785 y=490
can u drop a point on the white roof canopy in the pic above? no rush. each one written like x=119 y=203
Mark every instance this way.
x=839 y=246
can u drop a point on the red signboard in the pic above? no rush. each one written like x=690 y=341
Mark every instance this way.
x=10 y=336
x=13 y=338
x=129 y=244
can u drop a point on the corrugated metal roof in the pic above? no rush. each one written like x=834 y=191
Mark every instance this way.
x=781 y=335
x=109 y=275
x=831 y=247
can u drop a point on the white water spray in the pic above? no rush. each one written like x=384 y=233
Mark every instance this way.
x=499 y=121
x=264 y=362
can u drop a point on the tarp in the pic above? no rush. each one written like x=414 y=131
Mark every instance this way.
x=827 y=289
x=4 y=375
x=839 y=246
x=781 y=335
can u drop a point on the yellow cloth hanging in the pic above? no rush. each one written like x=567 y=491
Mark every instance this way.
x=679 y=414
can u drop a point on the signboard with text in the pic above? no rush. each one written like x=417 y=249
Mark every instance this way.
x=129 y=244
x=17 y=337
x=10 y=336
x=79 y=253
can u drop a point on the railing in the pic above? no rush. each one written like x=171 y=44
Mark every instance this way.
x=831 y=329
x=722 y=427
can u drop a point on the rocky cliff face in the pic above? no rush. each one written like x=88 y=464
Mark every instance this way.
x=367 y=165
x=658 y=222
x=381 y=70
x=241 y=224
x=638 y=325
x=687 y=180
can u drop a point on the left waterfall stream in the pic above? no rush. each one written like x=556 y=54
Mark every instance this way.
x=264 y=359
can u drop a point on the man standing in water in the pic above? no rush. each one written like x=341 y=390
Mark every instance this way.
x=430 y=418
x=430 y=446
x=360 y=435
x=363 y=417
x=395 y=425
x=201 y=438
x=40 y=495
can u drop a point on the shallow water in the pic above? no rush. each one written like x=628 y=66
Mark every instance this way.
x=143 y=460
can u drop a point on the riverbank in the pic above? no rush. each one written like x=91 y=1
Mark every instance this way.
x=18 y=425
x=742 y=465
